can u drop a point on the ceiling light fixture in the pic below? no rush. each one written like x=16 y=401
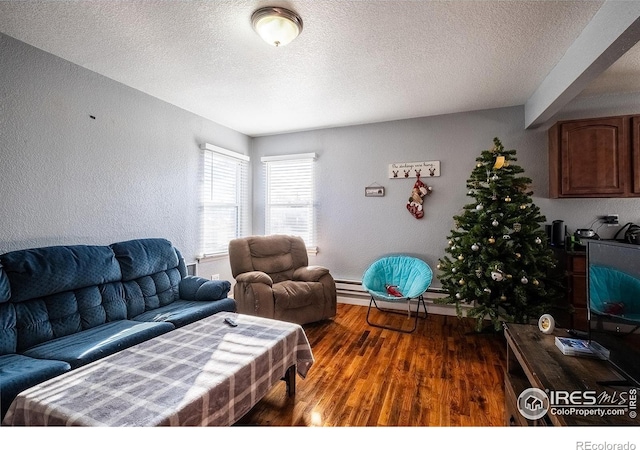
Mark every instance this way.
x=277 y=26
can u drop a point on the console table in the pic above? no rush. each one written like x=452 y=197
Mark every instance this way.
x=533 y=360
x=205 y=373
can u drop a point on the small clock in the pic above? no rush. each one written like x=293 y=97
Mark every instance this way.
x=546 y=323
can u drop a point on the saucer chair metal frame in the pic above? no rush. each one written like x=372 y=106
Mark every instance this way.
x=410 y=275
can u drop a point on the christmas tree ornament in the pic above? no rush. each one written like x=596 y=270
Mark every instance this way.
x=487 y=290
x=475 y=247
x=535 y=282
x=497 y=275
x=470 y=192
x=538 y=241
x=458 y=295
x=503 y=298
x=438 y=266
x=460 y=257
x=509 y=276
x=454 y=270
x=524 y=280
x=479 y=207
x=495 y=223
x=507 y=199
x=517 y=227
x=518 y=255
x=495 y=177
x=523 y=206
x=479 y=273
x=450 y=241
x=453 y=247
x=506 y=237
x=494 y=197
x=499 y=162
x=461 y=282
x=491 y=240
x=479 y=165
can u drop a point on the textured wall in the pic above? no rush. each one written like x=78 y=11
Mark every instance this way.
x=132 y=172
x=354 y=230
x=66 y=178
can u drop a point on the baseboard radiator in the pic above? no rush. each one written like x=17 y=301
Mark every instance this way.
x=351 y=292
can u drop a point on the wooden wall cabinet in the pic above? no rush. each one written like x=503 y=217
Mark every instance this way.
x=595 y=158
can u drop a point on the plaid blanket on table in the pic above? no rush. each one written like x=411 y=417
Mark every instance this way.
x=205 y=373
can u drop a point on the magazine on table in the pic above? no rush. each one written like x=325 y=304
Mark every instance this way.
x=581 y=347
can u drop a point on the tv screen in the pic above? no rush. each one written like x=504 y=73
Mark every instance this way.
x=613 y=293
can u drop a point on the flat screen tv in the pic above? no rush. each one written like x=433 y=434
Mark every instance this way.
x=613 y=296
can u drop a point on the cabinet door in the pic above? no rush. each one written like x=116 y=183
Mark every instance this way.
x=594 y=157
x=635 y=157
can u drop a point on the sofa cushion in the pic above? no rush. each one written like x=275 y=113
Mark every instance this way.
x=151 y=292
x=8 y=329
x=19 y=372
x=68 y=312
x=5 y=287
x=40 y=272
x=141 y=257
x=89 y=345
x=182 y=312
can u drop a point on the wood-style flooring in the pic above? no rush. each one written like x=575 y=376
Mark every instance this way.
x=443 y=374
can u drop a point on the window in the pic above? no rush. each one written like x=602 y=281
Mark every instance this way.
x=225 y=198
x=290 y=202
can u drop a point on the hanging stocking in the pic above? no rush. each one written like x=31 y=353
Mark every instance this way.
x=414 y=205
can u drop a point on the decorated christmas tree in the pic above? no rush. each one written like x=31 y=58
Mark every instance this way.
x=497 y=260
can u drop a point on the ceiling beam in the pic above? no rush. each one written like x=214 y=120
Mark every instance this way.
x=614 y=29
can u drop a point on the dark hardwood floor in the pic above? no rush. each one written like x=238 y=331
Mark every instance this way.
x=443 y=374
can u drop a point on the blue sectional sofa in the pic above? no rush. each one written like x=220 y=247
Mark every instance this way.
x=65 y=306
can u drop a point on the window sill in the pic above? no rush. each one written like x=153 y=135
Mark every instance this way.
x=212 y=257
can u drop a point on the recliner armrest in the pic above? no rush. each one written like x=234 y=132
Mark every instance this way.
x=309 y=273
x=254 y=277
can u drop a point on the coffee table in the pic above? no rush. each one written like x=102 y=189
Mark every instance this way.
x=205 y=373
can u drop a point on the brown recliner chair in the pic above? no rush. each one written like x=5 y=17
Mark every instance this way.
x=274 y=280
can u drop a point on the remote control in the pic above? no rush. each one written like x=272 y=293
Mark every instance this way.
x=231 y=322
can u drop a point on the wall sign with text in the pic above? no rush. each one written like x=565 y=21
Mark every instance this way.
x=410 y=169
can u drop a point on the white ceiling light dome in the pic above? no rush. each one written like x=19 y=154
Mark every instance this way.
x=277 y=26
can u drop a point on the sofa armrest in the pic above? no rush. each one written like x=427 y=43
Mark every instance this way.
x=254 y=277
x=201 y=289
x=309 y=273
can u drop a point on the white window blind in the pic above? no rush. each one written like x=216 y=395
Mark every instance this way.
x=290 y=191
x=225 y=198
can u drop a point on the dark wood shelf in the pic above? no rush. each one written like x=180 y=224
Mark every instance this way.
x=533 y=360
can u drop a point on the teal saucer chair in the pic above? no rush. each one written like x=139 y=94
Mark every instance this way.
x=408 y=275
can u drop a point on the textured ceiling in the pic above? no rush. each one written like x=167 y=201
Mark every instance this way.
x=355 y=61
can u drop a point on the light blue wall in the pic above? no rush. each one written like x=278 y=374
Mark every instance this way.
x=354 y=230
x=133 y=171
x=68 y=179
